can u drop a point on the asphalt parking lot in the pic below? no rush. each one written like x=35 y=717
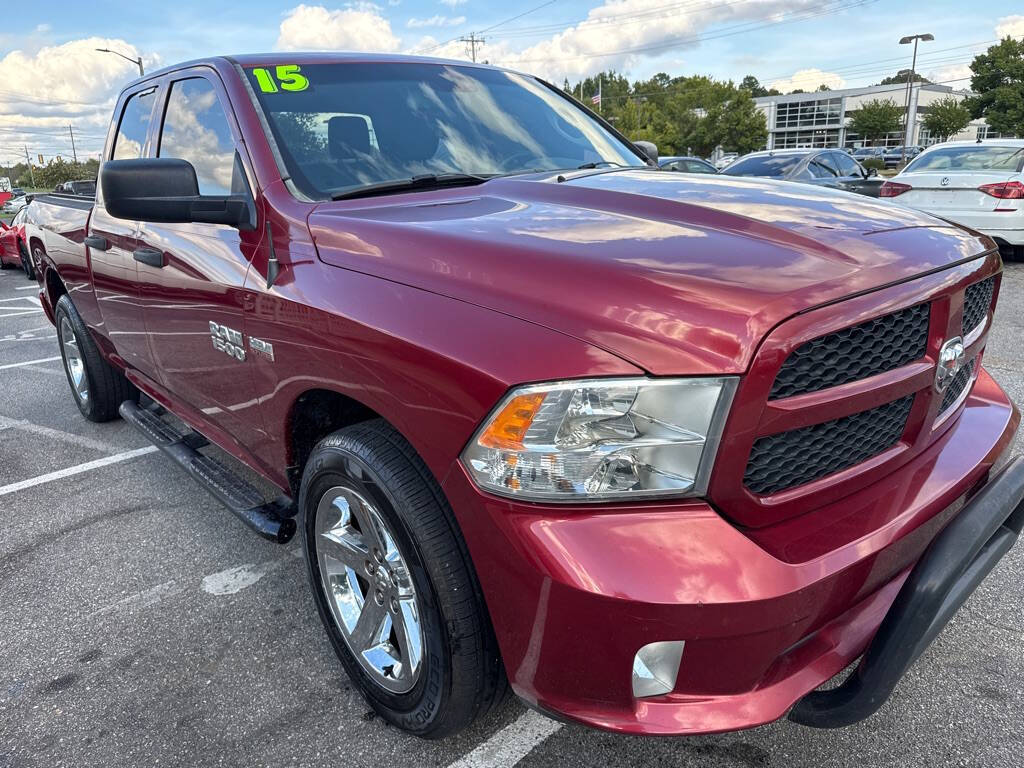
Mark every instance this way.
x=140 y=624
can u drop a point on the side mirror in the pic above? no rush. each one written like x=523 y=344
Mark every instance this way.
x=649 y=149
x=872 y=172
x=165 y=189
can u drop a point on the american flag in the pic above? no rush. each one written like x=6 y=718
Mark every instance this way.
x=595 y=99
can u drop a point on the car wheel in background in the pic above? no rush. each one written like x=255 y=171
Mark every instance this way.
x=394 y=585
x=97 y=387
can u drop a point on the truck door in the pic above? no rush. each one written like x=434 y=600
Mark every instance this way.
x=111 y=242
x=191 y=275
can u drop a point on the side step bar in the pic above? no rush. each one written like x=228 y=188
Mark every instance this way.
x=272 y=520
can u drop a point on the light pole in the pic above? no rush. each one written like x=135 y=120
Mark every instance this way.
x=910 y=87
x=137 y=61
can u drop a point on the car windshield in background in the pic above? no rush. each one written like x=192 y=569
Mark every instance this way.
x=970 y=158
x=764 y=165
x=343 y=127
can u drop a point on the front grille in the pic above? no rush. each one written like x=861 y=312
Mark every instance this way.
x=977 y=301
x=855 y=353
x=957 y=387
x=786 y=460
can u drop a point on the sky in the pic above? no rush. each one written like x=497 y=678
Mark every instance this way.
x=51 y=76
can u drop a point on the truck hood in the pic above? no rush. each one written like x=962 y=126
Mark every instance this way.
x=676 y=273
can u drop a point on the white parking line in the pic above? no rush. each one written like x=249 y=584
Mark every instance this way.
x=21 y=298
x=28 y=362
x=55 y=434
x=511 y=744
x=76 y=470
x=143 y=599
x=27 y=288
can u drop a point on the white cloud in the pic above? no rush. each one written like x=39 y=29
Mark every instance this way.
x=955 y=75
x=436 y=21
x=42 y=29
x=620 y=33
x=808 y=80
x=359 y=28
x=452 y=3
x=1010 y=26
x=60 y=84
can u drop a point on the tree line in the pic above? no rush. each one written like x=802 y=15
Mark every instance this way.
x=49 y=175
x=695 y=114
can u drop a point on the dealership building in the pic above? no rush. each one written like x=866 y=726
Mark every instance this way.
x=820 y=119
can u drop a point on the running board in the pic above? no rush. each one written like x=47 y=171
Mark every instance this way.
x=272 y=520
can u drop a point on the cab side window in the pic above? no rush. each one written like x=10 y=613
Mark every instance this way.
x=130 y=142
x=196 y=129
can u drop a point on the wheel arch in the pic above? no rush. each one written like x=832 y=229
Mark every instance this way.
x=314 y=414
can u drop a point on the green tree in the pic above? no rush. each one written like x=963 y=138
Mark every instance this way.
x=902 y=76
x=739 y=124
x=58 y=170
x=998 y=81
x=876 y=118
x=752 y=84
x=946 y=117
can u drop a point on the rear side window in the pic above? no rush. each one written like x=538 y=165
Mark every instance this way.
x=823 y=166
x=847 y=165
x=196 y=129
x=130 y=141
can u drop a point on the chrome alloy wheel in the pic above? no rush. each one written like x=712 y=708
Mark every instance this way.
x=369 y=588
x=73 y=363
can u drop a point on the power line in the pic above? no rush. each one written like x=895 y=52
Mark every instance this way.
x=737 y=29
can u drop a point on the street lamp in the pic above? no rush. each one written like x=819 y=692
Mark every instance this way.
x=910 y=86
x=137 y=61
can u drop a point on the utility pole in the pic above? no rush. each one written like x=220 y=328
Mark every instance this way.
x=74 y=153
x=31 y=176
x=472 y=41
x=910 y=89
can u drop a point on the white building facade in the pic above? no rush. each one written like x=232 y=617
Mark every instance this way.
x=820 y=119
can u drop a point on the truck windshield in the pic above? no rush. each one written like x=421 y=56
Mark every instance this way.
x=343 y=126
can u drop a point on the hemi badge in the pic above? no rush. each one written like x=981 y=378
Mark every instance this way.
x=261 y=346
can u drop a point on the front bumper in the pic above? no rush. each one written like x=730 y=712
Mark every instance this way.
x=573 y=593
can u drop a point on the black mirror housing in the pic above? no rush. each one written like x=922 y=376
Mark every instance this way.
x=649 y=149
x=166 y=190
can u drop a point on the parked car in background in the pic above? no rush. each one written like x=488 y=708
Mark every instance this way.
x=13 y=251
x=977 y=184
x=863 y=153
x=895 y=156
x=725 y=159
x=686 y=165
x=84 y=187
x=821 y=167
x=15 y=204
x=17 y=191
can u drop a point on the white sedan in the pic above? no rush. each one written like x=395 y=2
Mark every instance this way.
x=15 y=204
x=977 y=184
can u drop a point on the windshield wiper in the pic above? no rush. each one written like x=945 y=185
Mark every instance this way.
x=599 y=164
x=422 y=182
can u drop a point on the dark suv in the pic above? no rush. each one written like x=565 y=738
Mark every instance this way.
x=822 y=167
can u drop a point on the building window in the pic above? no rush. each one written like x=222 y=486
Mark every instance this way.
x=986 y=132
x=894 y=139
x=802 y=114
x=807 y=139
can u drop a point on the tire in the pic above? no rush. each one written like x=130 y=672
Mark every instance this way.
x=26 y=261
x=97 y=387
x=369 y=475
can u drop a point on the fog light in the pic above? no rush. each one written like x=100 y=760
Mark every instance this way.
x=655 y=667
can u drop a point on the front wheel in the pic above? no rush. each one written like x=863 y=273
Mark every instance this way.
x=97 y=387
x=393 y=583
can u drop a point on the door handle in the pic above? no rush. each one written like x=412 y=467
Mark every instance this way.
x=150 y=256
x=97 y=243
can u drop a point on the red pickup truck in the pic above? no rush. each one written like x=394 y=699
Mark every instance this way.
x=662 y=452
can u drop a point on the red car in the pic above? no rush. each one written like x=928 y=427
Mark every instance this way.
x=662 y=452
x=13 y=251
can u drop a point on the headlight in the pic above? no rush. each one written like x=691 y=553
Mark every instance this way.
x=601 y=439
